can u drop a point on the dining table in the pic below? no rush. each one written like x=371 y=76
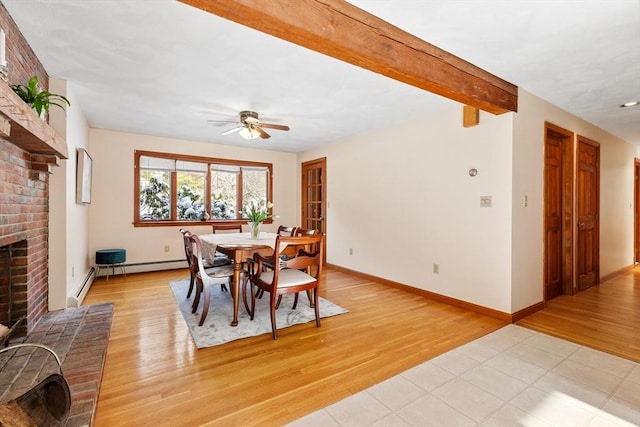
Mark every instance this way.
x=238 y=247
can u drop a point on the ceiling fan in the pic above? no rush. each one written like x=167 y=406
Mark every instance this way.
x=250 y=127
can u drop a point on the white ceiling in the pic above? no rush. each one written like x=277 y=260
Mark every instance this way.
x=160 y=67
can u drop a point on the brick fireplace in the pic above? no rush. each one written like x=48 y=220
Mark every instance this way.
x=24 y=214
x=29 y=149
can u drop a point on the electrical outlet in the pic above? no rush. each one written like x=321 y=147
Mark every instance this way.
x=166 y=248
x=436 y=268
x=350 y=251
x=73 y=271
x=485 y=201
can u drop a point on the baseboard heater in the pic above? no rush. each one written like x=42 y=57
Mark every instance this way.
x=141 y=267
x=134 y=267
x=78 y=296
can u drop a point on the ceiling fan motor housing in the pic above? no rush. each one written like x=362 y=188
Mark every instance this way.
x=249 y=117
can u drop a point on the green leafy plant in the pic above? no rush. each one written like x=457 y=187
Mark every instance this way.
x=38 y=99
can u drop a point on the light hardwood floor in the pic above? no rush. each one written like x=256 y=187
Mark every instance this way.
x=605 y=317
x=154 y=374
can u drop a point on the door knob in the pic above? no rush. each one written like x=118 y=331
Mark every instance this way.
x=580 y=224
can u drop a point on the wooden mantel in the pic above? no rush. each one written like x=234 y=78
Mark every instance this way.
x=21 y=125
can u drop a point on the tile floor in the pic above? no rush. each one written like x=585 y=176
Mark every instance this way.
x=512 y=377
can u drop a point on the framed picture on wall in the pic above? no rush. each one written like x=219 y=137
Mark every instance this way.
x=83 y=176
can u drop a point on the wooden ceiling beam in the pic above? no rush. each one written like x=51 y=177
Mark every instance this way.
x=341 y=30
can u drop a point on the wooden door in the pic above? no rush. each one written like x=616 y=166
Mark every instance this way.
x=558 y=226
x=313 y=194
x=588 y=193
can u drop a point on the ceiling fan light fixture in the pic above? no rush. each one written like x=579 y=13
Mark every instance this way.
x=249 y=132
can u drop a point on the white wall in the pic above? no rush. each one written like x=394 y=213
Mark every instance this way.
x=405 y=190
x=68 y=221
x=402 y=198
x=111 y=209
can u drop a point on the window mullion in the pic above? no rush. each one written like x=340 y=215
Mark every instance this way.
x=239 y=197
x=208 y=203
x=174 y=195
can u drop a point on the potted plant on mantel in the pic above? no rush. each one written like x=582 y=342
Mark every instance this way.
x=39 y=100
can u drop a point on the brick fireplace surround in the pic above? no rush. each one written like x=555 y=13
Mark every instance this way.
x=24 y=198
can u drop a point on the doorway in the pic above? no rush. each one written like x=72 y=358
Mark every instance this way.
x=313 y=184
x=558 y=212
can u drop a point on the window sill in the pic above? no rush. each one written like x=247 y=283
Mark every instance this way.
x=189 y=223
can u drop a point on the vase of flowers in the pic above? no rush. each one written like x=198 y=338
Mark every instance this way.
x=254 y=227
x=256 y=214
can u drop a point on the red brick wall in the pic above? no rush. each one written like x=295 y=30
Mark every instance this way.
x=24 y=201
x=24 y=213
x=23 y=62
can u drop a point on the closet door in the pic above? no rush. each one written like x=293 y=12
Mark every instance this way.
x=558 y=212
x=588 y=196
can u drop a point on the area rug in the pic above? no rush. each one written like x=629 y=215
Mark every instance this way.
x=217 y=327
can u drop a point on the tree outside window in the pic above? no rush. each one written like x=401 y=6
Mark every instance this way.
x=155 y=196
x=224 y=191
x=191 y=178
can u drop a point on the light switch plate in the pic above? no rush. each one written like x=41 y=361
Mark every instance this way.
x=485 y=201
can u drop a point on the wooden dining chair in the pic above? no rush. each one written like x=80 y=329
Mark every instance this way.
x=217 y=262
x=285 y=230
x=187 y=252
x=233 y=228
x=289 y=253
x=299 y=231
x=220 y=258
x=297 y=274
x=206 y=277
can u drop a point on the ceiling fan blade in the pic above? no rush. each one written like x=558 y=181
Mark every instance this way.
x=263 y=134
x=235 y=129
x=222 y=122
x=272 y=126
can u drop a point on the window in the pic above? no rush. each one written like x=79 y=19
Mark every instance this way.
x=173 y=188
